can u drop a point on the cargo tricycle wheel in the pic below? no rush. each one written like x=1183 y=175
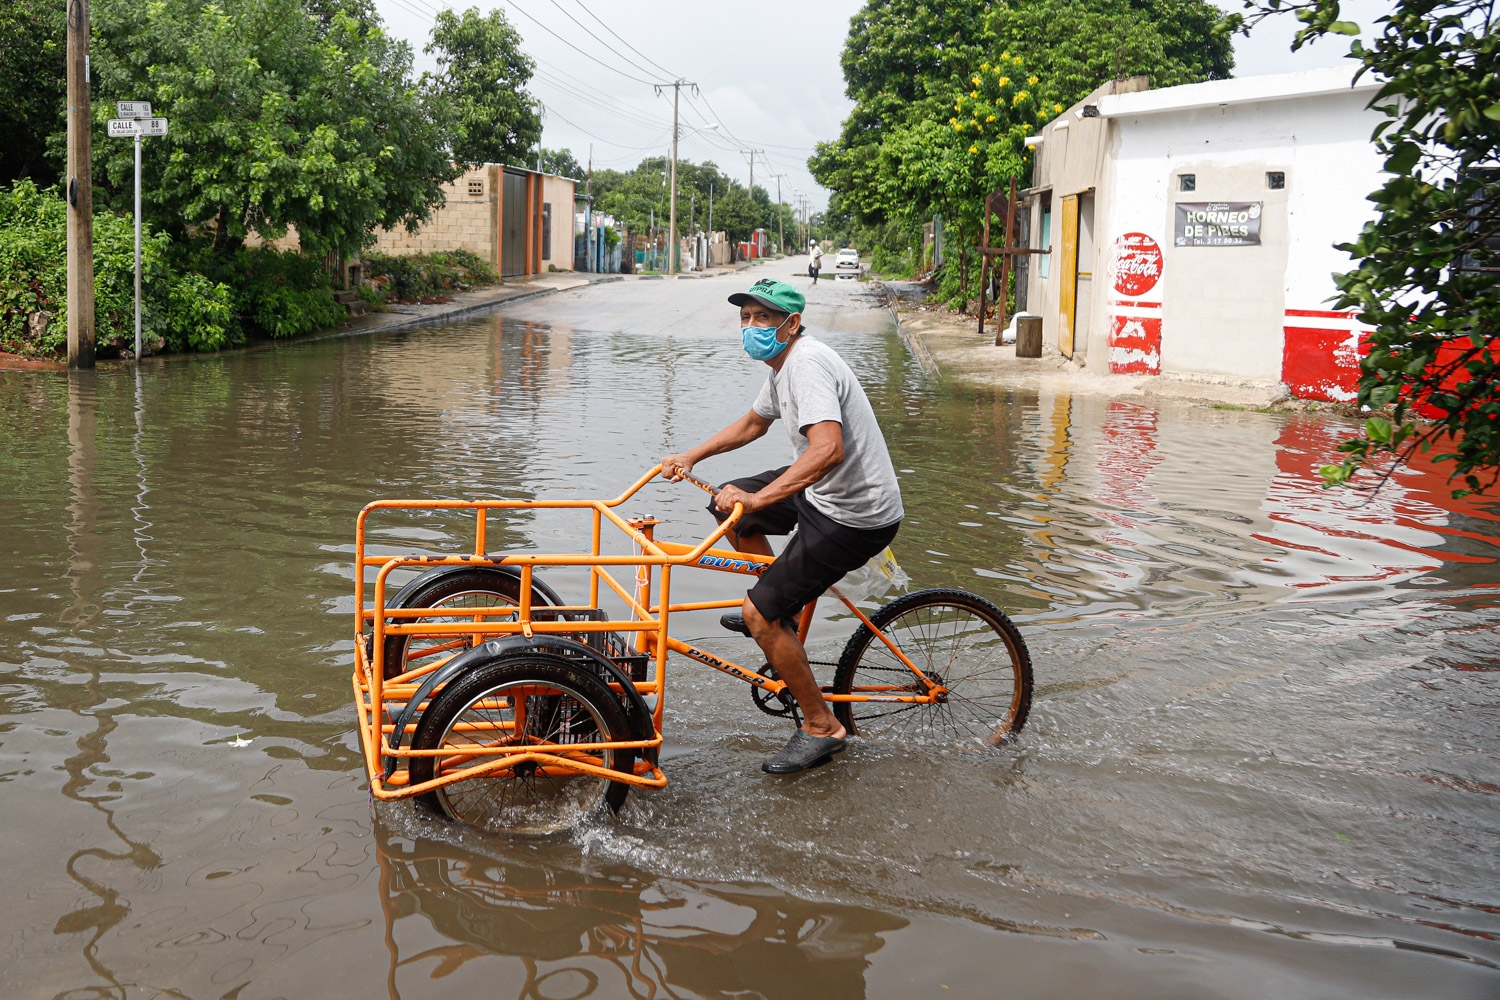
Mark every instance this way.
x=531 y=699
x=451 y=590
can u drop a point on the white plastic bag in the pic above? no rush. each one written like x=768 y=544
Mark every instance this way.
x=874 y=579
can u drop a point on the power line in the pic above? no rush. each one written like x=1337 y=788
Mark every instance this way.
x=608 y=47
x=632 y=48
x=534 y=20
x=610 y=142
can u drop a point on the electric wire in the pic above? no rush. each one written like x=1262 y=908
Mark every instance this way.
x=632 y=48
x=534 y=20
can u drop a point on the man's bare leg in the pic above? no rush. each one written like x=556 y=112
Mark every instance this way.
x=784 y=651
x=756 y=545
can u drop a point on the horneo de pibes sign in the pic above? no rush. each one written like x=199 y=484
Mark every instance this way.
x=1217 y=224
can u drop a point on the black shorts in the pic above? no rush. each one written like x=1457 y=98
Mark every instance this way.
x=818 y=556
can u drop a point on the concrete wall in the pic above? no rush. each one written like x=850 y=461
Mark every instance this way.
x=558 y=192
x=466 y=221
x=470 y=220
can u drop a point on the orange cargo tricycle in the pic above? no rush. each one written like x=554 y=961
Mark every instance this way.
x=492 y=700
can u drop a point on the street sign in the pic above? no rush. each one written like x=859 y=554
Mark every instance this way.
x=135 y=121
x=126 y=127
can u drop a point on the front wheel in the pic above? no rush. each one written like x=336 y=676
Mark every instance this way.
x=960 y=641
x=534 y=700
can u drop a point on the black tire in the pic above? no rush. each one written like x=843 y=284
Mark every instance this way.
x=558 y=702
x=964 y=643
x=472 y=586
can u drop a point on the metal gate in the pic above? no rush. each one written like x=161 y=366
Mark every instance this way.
x=513 y=226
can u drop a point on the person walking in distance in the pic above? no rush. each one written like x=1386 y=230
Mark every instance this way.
x=814 y=260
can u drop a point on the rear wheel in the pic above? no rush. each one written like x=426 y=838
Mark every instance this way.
x=960 y=641
x=531 y=700
x=464 y=587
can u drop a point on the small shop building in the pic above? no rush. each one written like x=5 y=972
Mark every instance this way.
x=1191 y=229
x=520 y=220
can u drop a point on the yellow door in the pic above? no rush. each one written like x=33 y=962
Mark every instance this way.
x=1067 y=273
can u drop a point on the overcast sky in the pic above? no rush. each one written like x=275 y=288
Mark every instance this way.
x=767 y=73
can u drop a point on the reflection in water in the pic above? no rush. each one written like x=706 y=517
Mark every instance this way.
x=85 y=579
x=609 y=932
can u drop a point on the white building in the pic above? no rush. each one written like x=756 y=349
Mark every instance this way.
x=1192 y=228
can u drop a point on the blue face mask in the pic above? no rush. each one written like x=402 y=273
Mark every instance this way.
x=760 y=342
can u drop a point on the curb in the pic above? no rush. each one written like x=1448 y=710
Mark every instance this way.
x=463 y=311
x=913 y=341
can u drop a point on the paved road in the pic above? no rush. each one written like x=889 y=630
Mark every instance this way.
x=695 y=306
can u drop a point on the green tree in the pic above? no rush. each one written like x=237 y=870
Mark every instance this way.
x=33 y=87
x=1428 y=266
x=280 y=118
x=562 y=162
x=1171 y=41
x=481 y=84
x=904 y=60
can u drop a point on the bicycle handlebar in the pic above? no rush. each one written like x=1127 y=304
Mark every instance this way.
x=703 y=485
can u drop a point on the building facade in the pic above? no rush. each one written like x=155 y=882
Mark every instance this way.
x=1192 y=228
x=520 y=220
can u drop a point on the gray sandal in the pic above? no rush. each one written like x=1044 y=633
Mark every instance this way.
x=801 y=752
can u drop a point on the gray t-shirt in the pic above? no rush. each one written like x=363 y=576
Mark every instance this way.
x=815 y=385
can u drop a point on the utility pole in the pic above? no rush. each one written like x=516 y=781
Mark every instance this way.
x=677 y=85
x=780 y=229
x=752 y=153
x=80 y=192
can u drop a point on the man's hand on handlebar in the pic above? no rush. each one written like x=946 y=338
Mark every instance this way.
x=674 y=467
x=731 y=495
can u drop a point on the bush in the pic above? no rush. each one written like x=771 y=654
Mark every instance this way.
x=412 y=276
x=276 y=293
x=181 y=309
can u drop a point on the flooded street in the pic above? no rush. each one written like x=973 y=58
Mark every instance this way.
x=1261 y=760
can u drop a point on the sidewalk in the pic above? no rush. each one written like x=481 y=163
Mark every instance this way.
x=394 y=317
x=950 y=347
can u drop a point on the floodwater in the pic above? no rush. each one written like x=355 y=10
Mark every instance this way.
x=1261 y=760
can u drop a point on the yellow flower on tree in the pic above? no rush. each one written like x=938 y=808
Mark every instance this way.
x=983 y=66
x=973 y=93
x=1057 y=109
x=990 y=118
x=1021 y=95
x=975 y=79
x=1005 y=81
x=1031 y=79
x=973 y=149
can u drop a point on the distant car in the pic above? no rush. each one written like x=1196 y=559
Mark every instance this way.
x=847 y=259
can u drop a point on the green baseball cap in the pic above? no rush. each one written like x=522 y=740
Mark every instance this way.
x=772 y=294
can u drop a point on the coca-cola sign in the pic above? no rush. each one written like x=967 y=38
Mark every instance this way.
x=1135 y=265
